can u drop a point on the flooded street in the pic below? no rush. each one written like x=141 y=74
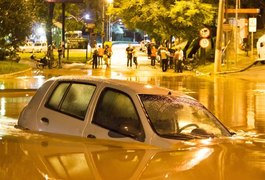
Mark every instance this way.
x=238 y=103
x=236 y=99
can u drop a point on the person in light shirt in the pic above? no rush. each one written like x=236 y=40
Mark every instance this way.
x=262 y=51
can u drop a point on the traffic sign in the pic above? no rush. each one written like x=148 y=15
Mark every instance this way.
x=204 y=32
x=204 y=42
x=252 y=24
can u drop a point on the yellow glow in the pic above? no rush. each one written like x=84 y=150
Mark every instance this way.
x=2 y=86
x=166 y=176
x=109 y=1
x=46 y=176
x=3 y=107
x=248 y=142
x=148 y=86
x=200 y=155
x=206 y=141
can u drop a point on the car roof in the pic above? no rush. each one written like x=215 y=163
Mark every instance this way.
x=136 y=87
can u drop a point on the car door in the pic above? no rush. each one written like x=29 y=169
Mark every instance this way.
x=116 y=117
x=65 y=108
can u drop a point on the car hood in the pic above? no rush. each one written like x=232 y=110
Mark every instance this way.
x=44 y=156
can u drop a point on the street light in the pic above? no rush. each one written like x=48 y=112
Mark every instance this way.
x=78 y=19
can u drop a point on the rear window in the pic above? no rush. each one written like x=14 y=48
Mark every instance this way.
x=71 y=98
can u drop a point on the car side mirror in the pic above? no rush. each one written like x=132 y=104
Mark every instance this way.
x=128 y=128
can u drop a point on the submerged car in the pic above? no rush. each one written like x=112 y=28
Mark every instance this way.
x=118 y=110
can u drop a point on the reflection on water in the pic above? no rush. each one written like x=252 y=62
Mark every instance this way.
x=38 y=156
x=15 y=93
x=12 y=106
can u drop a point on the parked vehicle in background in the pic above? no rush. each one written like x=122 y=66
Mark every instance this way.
x=31 y=47
x=119 y=110
x=27 y=48
x=40 y=47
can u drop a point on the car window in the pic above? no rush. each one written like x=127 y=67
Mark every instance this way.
x=71 y=98
x=116 y=111
x=181 y=117
x=57 y=95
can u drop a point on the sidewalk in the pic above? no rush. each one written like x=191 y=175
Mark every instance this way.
x=119 y=66
x=241 y=63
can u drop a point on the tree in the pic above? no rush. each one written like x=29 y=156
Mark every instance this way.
x=15 y=22
x=163 y=18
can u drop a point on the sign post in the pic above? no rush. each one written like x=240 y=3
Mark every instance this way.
x=204 y=42
x=252 y=27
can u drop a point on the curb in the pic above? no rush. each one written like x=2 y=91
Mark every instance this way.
x=15 y=73
x=241 y=70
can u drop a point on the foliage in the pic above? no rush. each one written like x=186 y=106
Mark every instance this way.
x=15 y=22
x=162 y=18
x=75 y=13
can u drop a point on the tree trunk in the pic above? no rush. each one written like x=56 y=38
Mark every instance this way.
x=49 y=24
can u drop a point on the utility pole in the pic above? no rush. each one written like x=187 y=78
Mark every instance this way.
x=219 y=34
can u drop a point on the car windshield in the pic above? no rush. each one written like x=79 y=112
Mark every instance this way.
x=181 y=118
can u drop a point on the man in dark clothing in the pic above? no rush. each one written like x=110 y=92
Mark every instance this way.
x=129 y=51
x=95 y=57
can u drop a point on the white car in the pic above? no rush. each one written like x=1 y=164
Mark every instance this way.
x=28 y=47
x=119 y=110
x=40 y=47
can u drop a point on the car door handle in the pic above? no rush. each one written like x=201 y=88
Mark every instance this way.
x=45 y=120
x=91 y=136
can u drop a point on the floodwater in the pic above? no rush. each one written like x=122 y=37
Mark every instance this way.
x=238 y=103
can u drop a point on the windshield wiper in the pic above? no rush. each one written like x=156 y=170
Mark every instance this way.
x=178 y=136
x=181 y=136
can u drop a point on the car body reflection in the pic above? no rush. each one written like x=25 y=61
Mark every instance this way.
x=45 y=156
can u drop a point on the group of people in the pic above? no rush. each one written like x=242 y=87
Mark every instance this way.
x=101 y=56
x=168 y=58
x=131 y=52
